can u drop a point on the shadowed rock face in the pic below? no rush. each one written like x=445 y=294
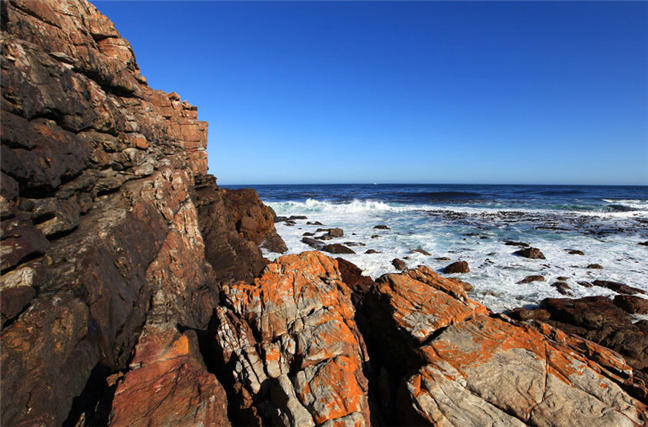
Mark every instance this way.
x=291 y=342
x=100 y=232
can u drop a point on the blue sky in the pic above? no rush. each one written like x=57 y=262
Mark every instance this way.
x=405 y=92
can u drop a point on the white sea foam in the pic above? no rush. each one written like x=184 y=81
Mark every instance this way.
x=480 y=240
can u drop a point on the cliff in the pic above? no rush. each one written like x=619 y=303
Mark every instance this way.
x=102 y=243
x=134 y=292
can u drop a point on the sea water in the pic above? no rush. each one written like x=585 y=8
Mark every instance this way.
x=473 y=223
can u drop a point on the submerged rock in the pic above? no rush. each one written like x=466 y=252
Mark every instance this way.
x=532 y=278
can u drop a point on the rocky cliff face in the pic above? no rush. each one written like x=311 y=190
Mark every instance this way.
x=103 y=255
x=133 y=290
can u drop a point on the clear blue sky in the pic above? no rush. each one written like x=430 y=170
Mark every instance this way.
x=405 y=92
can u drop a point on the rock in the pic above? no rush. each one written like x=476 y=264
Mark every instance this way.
x=562 y=278
x=631 y=304
x=529 y=314
x=21 y=241
x=353 y=278
x=442 y=258
x=520 y=244
x=399 y=264
x=420 y=251
x=291 y=219
x=574 y=252
x=595 y=267
x=337 y=248
x=446 y=359
x=533 y=253
x=618 y=287
x=375 y=236
x=601 y=321
x=232 y=256
x=643 y=243
x=324 y=237
x=295 y=353
x=308 y=234
x=532 y=278
x=563 y=288
x=102 y=236
x=372 y=251
x=336 y=232
x=585 y=284
x=354 y=244
x=313 y=243
x=314 y=223
x=457 y=267
x=14 y=300
x=169 y=384
x=381 y=227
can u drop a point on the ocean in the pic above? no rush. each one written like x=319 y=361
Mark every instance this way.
x=473 y=223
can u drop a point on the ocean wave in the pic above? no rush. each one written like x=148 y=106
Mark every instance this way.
x=354 y=206
x=626 y=205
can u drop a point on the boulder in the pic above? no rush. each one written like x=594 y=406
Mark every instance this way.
x=290 y=340
x=457 y=267
x=337 y=248
x=631 y=304
x=532 y=253
x=618 y=287
x=575 y=252
x=447 y=360
x=532 y=278
x=563 y=288
x=420 y=251
x=595 y=267
x=399 y=264
x=381 y=227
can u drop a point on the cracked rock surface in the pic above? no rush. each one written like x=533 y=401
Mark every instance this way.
x=291 y=341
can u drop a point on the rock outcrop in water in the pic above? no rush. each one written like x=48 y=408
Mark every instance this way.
x=134 y=292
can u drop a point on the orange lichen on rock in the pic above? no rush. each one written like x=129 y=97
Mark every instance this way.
x=424 y=302
x=309 y=351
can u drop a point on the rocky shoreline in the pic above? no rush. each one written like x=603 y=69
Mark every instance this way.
x=134 y=290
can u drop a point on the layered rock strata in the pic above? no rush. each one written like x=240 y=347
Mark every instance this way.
x=100 y=230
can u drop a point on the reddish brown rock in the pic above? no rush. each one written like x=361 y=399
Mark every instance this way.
x=399 y=264
x=353 y=278
x=532 y=253
x=337 y=248
x=254 y=221
x=97 y=202
x=618 y=287
x=595 y=267
x=168 y=384
x=292 y=344
x=631 y=304
x=563 y=288
x=457 y=267
x=532 y=278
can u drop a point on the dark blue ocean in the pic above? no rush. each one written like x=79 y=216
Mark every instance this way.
x=473 y=223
